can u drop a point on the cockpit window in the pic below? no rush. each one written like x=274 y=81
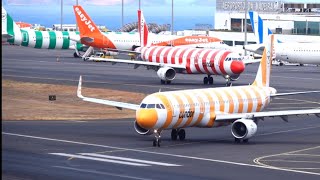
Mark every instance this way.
x=158 y=106
x=151 y=106
x=143 y=105
x=162 y=106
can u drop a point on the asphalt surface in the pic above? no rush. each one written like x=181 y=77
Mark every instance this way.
x=111 y=149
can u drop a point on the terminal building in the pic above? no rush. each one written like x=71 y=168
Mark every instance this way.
x=296 y=21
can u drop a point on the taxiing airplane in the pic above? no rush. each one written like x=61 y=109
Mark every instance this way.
x=38 y=39
x=168 y=60
x=241 y=106
x=92 y=36
x=293 y=52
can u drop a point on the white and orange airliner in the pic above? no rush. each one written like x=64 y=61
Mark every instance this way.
x=91 y=35
x=240 y=106
x=168 y=60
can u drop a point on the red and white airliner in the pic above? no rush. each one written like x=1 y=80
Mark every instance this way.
x=166 y=60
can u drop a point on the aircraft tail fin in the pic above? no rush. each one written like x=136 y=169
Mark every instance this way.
x=9 y=27
x=260 y=29
x=264 y=70
x=143 y=29
x=87 y=27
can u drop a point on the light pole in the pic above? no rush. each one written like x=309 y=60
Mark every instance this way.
x=61 y=15
x=139 y=4
x=172 y=17
x=245 y=24
x=122 y=13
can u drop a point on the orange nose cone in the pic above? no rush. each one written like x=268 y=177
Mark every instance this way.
x=237 y=67
x=147 y=118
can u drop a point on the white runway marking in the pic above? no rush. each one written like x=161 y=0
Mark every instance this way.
x=99 y=159
x=164 y=154
x=129 y=159
x=99 y=172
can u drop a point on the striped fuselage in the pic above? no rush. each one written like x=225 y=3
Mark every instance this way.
x=196 y=60
x=199 y=107
x=45 y=39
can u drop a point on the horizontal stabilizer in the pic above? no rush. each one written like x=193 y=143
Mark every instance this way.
x=294 y=93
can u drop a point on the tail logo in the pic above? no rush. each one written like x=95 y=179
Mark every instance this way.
x=85 y=19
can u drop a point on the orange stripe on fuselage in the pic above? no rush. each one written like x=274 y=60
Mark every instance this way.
x=231 y=104
x=169 y=109
x=191 y=109
x=202 y=110
x=249 y=98
x=259 y=98
x=240 y=108
x=221 y=100
x=181 y=109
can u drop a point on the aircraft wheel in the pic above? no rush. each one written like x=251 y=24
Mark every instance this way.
x=75 y=55
x=163 y=82
x=182 y=134
x=174 y=134
x=210 y=80
x=205 y=80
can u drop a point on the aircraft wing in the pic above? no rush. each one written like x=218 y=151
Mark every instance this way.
x=260 y=115
x=139 y=63
x=117 y=104
x=293 y=93
x=255 y=48
x=6 y=36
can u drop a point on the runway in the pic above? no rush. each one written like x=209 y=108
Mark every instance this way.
x=111 y=149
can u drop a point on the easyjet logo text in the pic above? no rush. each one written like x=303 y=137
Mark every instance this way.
x=84 y=19
x=197 y=40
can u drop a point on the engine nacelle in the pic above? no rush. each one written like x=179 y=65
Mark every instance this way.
x=141 y=130
x=243 y=128
x=166 y=73
x=111 y=53
x=234 y=77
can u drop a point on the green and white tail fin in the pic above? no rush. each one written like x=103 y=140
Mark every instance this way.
x=264 y=71
x=9 y=27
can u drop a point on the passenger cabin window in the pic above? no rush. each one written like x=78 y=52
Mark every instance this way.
x=143 y=105
x=150 y=106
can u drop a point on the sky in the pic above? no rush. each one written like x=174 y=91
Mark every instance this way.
x=109 y=11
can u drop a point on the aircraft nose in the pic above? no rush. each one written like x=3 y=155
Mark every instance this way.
x=237 y=67
x=147 y=118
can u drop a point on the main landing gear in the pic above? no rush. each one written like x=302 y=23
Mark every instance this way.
x=208 y=80
x=165 y=82
x=238 y=141
x=175 y=133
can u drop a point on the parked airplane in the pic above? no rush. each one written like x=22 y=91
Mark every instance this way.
x=302 y=53
x=211 y=107
x=92 y=36
x=38 y=39
x=168 y=61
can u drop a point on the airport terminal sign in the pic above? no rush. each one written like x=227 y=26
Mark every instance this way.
x=236 y=5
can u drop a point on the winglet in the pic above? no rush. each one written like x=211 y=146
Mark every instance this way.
x=79 y=88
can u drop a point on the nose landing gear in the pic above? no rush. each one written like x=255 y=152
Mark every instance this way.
x=157 y=140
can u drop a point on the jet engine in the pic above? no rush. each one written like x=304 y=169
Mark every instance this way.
x=166 y=73
x=111 y=53
x=141 y=130
x=243 y=128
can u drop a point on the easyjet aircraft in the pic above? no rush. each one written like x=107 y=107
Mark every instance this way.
x=168 y=61
x=241 y=106
x=38 y=39
x=92 y=36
